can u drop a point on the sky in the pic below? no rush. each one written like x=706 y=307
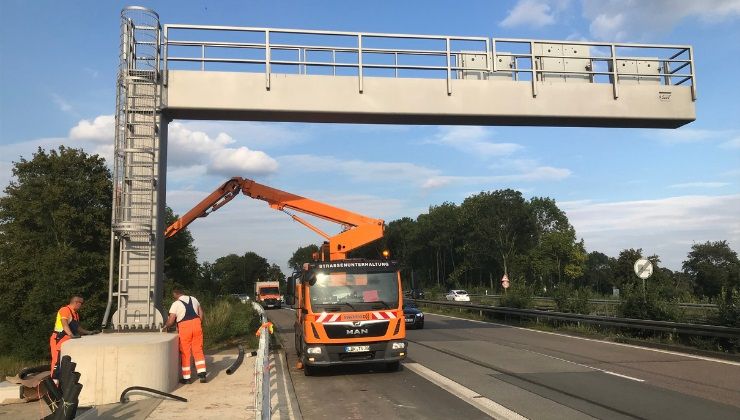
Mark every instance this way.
x=659 y=190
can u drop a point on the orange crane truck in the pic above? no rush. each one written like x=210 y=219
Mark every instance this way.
x=348 y=311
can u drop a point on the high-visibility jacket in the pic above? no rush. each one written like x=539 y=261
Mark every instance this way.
x=59 y=336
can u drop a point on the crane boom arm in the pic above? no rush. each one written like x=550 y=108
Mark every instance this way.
x=358 y=230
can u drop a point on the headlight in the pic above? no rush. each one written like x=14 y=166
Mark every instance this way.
x=313 y=350
x=398 y=346
x=419 y=315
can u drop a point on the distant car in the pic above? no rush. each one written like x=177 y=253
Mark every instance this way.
x=242 y=297
x=458 y=296
x=414 y=316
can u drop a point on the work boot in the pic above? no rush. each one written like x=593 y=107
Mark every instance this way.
x=202 y=377
x=184 y=381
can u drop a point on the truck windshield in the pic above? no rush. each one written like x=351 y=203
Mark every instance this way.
x=269 y=291
x=348 y=292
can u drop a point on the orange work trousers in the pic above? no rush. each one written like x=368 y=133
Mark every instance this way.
x=56 y=350
x=191 y=344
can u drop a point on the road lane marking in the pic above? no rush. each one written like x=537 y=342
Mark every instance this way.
x=471 y=397
x=675 y=353
x=586 y=366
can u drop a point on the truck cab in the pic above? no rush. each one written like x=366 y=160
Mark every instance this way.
x=348 y=312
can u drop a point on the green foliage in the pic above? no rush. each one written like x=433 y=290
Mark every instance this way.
x=728 y=306
x=518 y=296
x=226 y=320
x=636 y=304
x=12 y=365
x=568 y=299
x=238 y=274
x=302 y=255
x=714 y=266
x=180 y=256
x=54 y=241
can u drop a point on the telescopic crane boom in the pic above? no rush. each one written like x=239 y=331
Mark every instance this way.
x=358 y=230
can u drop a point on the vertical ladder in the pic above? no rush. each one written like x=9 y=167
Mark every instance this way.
x=136 y=174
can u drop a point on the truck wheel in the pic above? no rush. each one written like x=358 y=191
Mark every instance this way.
x=393 y=366
x=309 y=370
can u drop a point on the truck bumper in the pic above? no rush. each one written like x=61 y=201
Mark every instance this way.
x=340 y=354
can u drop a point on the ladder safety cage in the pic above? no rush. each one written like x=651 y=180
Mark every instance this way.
x=358 y=54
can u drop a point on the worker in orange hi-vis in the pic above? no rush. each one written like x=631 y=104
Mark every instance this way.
x=187 y=313
x=67 y=326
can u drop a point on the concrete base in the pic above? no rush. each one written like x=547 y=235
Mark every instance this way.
x=110 y=363
x=9 y=391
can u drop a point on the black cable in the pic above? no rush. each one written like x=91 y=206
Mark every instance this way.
x=155 y=391
x=234 y=366
x=35 y=369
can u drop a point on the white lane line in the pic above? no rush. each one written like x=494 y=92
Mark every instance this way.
x=675 y=353
x=471 y=397
x=586 y=366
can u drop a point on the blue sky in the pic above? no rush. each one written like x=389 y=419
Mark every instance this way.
x=660 y=190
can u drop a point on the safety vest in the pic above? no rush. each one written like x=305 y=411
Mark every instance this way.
x=74 y=323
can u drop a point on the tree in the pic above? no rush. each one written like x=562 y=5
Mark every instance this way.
x=598 y=273
x=54 y=241
x=302 y=255
x=713 y=265
x=624 y=267
x=180 y=256
x=499 y=225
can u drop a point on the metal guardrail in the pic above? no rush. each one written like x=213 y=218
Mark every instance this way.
x=262 y=370
x=608 y=301
x=643 y=324
x=361 y=54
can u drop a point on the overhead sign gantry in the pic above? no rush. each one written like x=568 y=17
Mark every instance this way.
x=244 y=73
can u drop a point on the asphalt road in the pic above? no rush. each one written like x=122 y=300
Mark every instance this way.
x=537 y=375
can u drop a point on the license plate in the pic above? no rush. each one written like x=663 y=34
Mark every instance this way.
x=409 y=319
x=356 y=349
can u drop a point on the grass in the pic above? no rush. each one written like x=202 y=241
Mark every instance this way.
x=228 y=323
x=11 y=365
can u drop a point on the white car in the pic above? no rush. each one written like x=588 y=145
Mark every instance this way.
x=458 y=296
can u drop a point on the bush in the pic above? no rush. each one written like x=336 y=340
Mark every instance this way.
x=226 y=320
x=636 y=304
x=568 y=299
x=728 y=307
x=517 y=297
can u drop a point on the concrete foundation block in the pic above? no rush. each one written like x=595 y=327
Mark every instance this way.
x=110 y=363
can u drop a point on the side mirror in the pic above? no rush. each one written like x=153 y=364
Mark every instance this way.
x=290 y=291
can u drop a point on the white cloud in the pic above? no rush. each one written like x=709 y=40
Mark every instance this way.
x=666 y=226
x=100 y=130
x=62 y=103
x=635 y=19
x=530 y=13
x=700 y=185
x=474 y=140
x=240 y=161
x=363 y=171
x=528 y=170
x=731 y=144
x=187 y=148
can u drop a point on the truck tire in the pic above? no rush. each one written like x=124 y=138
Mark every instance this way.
x=309 y=370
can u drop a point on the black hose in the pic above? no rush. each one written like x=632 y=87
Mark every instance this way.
x=154 y=391
x=234 y=366
x=29 y=370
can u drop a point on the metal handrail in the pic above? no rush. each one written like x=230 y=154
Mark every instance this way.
x=664 y=74
x=644 y=324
